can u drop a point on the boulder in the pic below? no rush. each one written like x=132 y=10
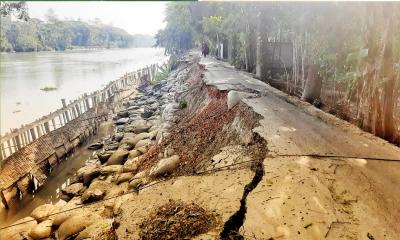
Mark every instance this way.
x=20 y=230
x=143 y=142
x=42 y=212
x=134 y=153
x=76 y=224
x=123 y=177
x=110 y=169
x=165 y=165
x=73 y=189
x=118 y=157
x=102 y=229
x=96 y=191
x=42 y=230
x=122 y=121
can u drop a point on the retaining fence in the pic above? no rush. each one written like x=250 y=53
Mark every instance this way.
x=18 y=138
x=28 y=154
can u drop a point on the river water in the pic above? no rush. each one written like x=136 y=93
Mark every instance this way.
x=72 y=73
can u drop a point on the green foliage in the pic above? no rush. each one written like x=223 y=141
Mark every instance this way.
x=18 y=9
x=37 y=35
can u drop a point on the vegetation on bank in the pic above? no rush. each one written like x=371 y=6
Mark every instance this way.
x=344 y=57
x=37 y=35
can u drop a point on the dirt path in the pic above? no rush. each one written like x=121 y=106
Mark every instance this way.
x=309 y=197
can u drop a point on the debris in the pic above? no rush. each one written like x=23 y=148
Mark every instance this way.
x=177 y=220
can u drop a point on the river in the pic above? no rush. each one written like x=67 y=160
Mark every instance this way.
x=72 y=73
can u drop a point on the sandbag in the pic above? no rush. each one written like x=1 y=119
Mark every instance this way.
x=42 y=212
x=20 y=230
x=42 y=230
x=75 y=224
x=118 y=157
x=165 y=165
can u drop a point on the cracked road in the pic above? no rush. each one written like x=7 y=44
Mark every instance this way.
x=352 y=196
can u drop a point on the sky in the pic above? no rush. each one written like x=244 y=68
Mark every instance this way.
x=134 y=17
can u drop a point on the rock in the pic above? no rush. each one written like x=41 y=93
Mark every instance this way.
x=153 y=134
x=75 y=224
x=122 y=121
x=20 y=230
x=147 y=113
x=134 y=153
x=96 y=191
x=118 y=157
x=123 y=114
x=118 y=137
x=144 y=142
x=73 y=189
x=123 y=177
x=42 y=230
x=166 y=165
x=42 y=212
x=110 y=169
x=102 y=229
x=95 y=146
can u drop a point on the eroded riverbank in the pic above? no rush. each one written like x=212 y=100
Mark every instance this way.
x=197 y=156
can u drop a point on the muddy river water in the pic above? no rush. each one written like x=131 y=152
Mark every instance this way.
x=72 y=73
x=69 y=74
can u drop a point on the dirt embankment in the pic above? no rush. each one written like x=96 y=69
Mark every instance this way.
x=180 y=165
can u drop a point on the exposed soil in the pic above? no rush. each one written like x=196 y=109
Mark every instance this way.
x=177 y=220
x=204 y=127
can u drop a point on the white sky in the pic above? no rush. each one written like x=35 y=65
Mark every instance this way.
x=134 y=17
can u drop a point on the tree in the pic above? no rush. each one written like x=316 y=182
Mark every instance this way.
x=18 y=9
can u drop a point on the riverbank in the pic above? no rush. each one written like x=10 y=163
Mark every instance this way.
x=73 y=73
x=212 y=153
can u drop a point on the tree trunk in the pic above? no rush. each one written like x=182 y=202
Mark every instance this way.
x=261 y=42
x=312 y=89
